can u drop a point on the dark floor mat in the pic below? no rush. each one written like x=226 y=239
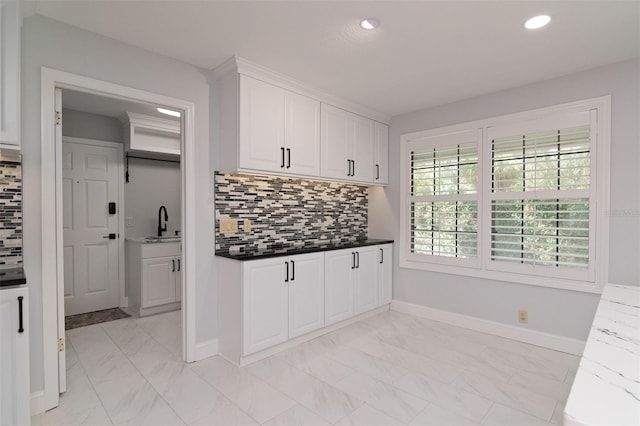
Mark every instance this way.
x=80 y=320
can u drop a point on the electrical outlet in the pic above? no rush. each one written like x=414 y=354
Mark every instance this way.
x=523 y=316
x=228 y=225
x=246 y=225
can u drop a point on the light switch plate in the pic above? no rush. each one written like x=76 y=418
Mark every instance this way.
x=228 y=225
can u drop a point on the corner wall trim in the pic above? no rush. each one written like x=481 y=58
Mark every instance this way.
x=37 y=402
x=533 y=337
x=206 y=349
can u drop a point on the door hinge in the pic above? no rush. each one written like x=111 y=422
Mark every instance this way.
x=58 y=118
x=61 y=344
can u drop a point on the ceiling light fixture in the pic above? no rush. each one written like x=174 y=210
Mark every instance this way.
x=370 y=23
x=537 y=22
x=169 y=112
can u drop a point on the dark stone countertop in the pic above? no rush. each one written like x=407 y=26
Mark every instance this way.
x=293 y=250
x=12 y=276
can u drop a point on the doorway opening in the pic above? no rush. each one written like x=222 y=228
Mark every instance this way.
x=85 y=219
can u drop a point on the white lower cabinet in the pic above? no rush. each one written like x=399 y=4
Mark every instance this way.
x=14 y=357
x=351 y=285
x=385 y=274
x=270 y=301
x=282 y=298
x=338 y=285
x=154 y=277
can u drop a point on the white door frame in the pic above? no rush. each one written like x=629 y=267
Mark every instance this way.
x=51 y=197
x=122 y=299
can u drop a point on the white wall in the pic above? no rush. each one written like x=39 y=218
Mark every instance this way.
x=152 y=183
x=82 y=124
x=554 y=311
x=52 y=44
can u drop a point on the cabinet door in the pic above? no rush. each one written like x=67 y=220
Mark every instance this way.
x=338 y=272
x=261 y=125
x=302 y=135
x=14 y=358
x=335 y=141
x=10 y=73
x=179 y=267
x=158 y=281
x=366 y=279
x=381 y=154
x=363 y=147
x=385 y=274
x=265 y=312
x=306 y=293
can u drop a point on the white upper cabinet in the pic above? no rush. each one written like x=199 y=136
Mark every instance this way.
x=270 y=124
x=362 y=146
x=10 y=74
x=381 y=154
x=279 y=130
x=151 y=135
x=347 y=146
x=261 y=125
x=335 y=137
x=301 y=134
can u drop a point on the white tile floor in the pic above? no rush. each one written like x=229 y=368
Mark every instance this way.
x=389 y=369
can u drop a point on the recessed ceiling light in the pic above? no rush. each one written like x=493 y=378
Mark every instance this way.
x=370 y=23
x=537 y=22
x=169 y=112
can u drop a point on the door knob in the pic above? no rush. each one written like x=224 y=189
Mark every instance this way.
x=110 y=237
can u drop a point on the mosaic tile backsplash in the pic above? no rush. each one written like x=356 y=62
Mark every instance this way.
x=288 y=212
x=10 y=214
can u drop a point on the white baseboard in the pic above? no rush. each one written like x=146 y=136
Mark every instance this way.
x=37 y=402
x=206 y=349
x=533 y=337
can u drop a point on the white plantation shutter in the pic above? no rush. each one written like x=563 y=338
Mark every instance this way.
x=540 y=200
x=444 y=197
x=520 y=198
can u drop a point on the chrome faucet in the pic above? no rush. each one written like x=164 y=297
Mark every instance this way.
x=161 y=228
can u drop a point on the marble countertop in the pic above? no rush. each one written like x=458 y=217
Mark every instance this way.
x=606 y=390
x=298 y=249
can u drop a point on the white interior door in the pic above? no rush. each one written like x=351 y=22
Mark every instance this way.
x=90 y=182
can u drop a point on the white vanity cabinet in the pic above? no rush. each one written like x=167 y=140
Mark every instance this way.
x=154 y=276
x=14 y=356
x=347 y=145
x=279 y=130
x=10 y=22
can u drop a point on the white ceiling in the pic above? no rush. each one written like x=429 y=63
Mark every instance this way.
x=109 y=107
x=425 y=53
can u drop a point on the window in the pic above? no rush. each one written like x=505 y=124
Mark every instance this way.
x=444 y=197
x=512 y=198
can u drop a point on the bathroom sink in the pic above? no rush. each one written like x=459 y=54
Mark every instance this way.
x=165 y=239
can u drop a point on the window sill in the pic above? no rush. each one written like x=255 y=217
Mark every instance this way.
x=563 y=284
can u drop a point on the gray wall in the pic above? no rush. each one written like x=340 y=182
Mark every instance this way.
x=152 y=184
x=82 y=124
x=554 y=311
x=49 y=43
